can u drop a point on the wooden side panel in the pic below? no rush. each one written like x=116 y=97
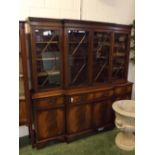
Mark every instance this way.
x=22 y=112
x=79 y=118
x=50 y=123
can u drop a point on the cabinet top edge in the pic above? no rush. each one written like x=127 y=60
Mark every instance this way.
x=75 y=21
x=22 y=22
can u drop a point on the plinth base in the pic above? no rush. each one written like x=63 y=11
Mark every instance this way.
x=125 y=141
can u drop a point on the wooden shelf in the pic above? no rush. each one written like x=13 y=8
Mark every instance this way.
x=103 y=44
x=120 y=46
x=102 y=57
x=119 y=54
x=47 y=42
x=72 y=42
x=117 y=68
x=48 y=73
x=44 y=59
x=78 y=57
x=101 y=63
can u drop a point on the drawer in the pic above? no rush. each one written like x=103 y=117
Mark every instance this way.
x=83 y=98
x=104 y=94
x=129 y=89
x=123 y=97
x=76 y=99
x=88 y=97
x=47 y=102
x=120 y=90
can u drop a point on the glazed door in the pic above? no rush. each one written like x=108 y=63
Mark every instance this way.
x=77 y=57
x=47 y=57
x=101 y=55
x=120 y=56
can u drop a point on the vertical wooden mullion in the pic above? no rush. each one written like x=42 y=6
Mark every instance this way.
x=34 y=66
x=127 y=57
x=90 y=58
x=111 y=56
x=66 y=64
x=61 y=56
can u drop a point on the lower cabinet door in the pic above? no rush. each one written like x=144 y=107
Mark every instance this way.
x=79 y=118
x=49 y=123
x=103 y=114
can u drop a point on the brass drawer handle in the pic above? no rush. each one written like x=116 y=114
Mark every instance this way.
x=72 y=100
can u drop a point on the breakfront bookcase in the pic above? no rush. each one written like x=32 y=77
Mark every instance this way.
x=78 y=69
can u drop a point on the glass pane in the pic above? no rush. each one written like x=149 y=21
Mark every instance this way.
x=119 y=56
x=78 y=56
x=48 y=58
x=101 y=50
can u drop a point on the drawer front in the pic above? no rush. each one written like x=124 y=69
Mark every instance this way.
x=102 y=95
x=120 y=90
x=48 y=102
x=88 y=97
x=129 y=89
x=76 y=99
x=123 y=97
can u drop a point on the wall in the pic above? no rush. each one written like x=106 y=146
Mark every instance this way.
x=131 y=77
x=115 y=11
x=50 y=8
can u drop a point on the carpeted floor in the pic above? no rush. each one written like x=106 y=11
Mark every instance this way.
x=99 y=144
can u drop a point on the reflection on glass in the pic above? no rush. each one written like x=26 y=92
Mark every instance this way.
x=78 y=56
x=101 y=50
x=48 y=58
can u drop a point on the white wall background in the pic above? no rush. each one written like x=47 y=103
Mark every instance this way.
x=115 y=11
